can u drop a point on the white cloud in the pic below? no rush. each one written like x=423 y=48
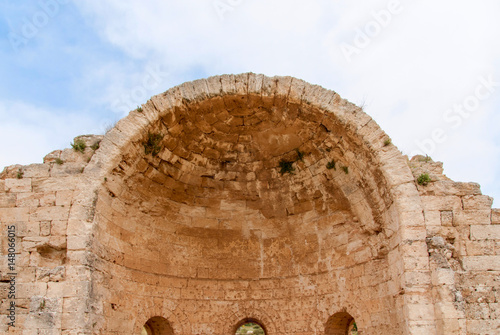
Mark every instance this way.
x=29 y=132
x=428 y=58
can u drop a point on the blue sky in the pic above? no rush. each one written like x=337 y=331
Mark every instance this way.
x=427 y=72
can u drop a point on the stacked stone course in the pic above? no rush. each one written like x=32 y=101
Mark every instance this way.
x=208 y=232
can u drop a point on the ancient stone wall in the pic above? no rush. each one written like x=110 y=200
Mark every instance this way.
x=246 y=198
x=463 y=241
x=48 y=276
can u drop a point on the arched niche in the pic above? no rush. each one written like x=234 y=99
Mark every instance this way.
x=193 y=186
x=157 y=325
x=341 y=323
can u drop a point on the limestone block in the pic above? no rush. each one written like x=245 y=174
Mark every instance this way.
x=449 y=188
x=482 y=263
x=413 y=233
x=480 y=248
x=475 y=202
x=67 y=169
x=18 y=185
x=443 y=276
x=407 y=197
x=64 y=198
x=420 y=312
x=447 y=218
x=495 y=216
x=28 y=200
x=441 y=203
x=55 y=184
x=472 y=217
x=7 y=200
x=50 y=213
x=485 y=232
x=36 y=171
x=417 y=278
x=58 y=227
x=28 y=290
x=396 y=168
x=14 y=214
x=495 y=310
x=414 y=249
x=478 y=311
x=483 y=326
x=433 y=218
x=48 y=199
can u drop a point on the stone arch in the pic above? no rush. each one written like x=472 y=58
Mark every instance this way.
x=339 y=219
x=150 y=307
x=339 y=324
x=268 y=319
x=157 y=325
x=249 y=320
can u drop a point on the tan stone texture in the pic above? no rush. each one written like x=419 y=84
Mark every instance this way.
x=247 y=198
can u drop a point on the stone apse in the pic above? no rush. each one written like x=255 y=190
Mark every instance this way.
x=245 y=198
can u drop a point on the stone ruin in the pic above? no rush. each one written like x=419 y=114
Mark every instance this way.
x=244 y=198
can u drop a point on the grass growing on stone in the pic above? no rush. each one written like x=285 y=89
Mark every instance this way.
x=286 y=167
x=331 y=165
x=300 y=155
x=423 y=179
x=95 y=146
x=387 y=142
x=152 y=144
x=346 y=169
x=59 y=161
x=79 y=145
x=20 y=174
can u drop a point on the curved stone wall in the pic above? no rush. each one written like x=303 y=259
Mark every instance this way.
x=196 y=220
x=240 y=199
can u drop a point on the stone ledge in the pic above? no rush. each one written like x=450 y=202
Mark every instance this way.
x=482 y=263
x=495 y=216
x=485 y=232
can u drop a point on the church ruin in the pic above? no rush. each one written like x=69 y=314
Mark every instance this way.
x=245 y=200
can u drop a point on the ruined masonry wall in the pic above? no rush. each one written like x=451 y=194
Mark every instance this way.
x=463 y=242
x=52 y=282
x=208 y=233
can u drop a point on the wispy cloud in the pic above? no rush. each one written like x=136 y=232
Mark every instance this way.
x=28 y=132
x=424 y=61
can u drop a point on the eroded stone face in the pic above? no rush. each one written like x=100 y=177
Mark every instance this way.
x=247 y=199
x=212 y=216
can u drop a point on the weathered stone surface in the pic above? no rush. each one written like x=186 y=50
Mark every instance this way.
x=495 y=216
x=482 y=263
x=484 y=232
x=263 y=199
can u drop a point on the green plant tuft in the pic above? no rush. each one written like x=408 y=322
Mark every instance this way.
x=79 y=145
x=152 y=145
x=424 y=179
x=300 y=155
x=59 y=161
x=426 y=159
x=95 y=146
x=346 y=169
x=286 y=167
x=331 y=165
x=387 y=142
x=20 y=174
x=139 y=109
